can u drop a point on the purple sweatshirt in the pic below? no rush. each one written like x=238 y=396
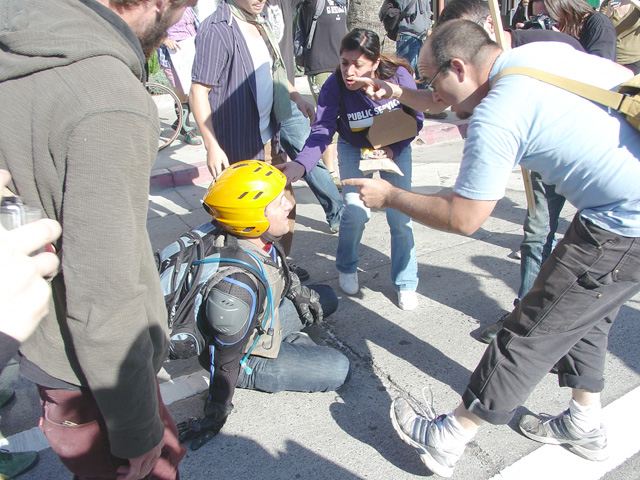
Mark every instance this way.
x=350 y=113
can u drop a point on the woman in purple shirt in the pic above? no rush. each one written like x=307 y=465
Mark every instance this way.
x=344 y=107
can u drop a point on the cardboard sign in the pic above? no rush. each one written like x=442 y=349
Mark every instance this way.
x=391 y=127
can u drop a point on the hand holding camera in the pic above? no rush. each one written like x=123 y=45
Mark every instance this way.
x=24 y=292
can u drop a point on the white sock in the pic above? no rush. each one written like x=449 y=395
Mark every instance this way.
x=453 y=436
x=585 y=418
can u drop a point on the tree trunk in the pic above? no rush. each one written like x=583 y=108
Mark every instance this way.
x=364 y=14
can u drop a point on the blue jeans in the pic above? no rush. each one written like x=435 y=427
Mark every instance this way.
x=408 y=47
x=404 y=266
x=293 y=134
x=301 y=365
x=539 y=232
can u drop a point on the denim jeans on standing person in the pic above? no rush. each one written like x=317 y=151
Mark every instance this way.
x=404 y=266
x=293 y=134
x=539 y=232
x=408 y=47
x=301 y=365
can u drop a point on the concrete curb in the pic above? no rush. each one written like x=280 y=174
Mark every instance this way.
x=196 y=173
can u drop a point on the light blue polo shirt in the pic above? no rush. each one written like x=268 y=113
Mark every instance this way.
x=590 y=155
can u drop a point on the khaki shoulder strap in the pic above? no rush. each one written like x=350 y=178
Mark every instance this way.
x=604 y=97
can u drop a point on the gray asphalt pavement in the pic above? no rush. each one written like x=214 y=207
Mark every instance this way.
x=466 y=283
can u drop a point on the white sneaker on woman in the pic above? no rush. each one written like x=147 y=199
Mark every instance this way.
x=349 y=282
x=407 y=300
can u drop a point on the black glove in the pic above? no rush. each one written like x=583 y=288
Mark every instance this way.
x=306 y=301
x=201 y=430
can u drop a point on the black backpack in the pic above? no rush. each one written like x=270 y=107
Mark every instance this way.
x=302 y=39
x=391 y=14
x=188 y=268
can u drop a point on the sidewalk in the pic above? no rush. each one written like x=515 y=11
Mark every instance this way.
x=180 y=164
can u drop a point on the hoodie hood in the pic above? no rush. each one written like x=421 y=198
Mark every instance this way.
x=32 y=40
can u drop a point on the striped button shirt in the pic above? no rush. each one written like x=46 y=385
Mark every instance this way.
x=223 y=62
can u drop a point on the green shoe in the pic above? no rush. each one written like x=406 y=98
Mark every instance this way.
x=6 y=395
x=13 y=464
x=191 y=138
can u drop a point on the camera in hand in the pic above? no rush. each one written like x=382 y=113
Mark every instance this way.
x=540 y=22
x=14 y=213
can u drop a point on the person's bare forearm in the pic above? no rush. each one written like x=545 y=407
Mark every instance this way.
x=431 y=210
x=417 y=99
x=201 y=109
x=449 y=212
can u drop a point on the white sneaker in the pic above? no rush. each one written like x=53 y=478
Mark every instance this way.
x=422 y=430
x=349 y=282
x=407 y=300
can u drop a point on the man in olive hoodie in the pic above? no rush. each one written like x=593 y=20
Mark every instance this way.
x=79 y=136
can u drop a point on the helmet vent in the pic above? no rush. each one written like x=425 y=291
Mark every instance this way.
x=258 y=195
x=244 y=194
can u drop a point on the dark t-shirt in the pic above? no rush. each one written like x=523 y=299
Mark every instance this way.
x=331 y=27
x=598 y=36
x=522 y=37
x=280 y=17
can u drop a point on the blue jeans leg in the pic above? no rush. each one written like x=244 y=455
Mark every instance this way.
x=539 y=232
x=404 y=266
x=293 y=134
x=301 y=365
x=408 y=47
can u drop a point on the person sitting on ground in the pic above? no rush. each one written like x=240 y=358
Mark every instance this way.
x=252 y=323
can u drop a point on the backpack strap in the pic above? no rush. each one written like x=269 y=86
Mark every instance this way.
x=192 y=276
x=314 y=22
x=231 y=250
x=599 y=95
x=405 y=12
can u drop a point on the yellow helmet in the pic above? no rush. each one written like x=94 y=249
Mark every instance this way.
x=238 y=197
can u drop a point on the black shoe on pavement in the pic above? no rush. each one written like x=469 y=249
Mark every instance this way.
x=299 y=271
x=491 y=331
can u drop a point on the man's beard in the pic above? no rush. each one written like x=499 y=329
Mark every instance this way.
x=151 y=39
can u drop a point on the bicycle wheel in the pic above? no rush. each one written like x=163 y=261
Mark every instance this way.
x=169 y=111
